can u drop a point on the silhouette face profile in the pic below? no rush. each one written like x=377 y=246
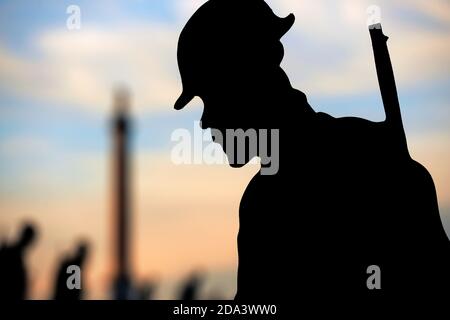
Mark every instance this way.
x=229 y=55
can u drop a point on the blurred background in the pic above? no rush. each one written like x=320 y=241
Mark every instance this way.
x=57 y=137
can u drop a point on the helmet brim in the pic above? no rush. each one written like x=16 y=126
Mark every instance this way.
x=286 y=24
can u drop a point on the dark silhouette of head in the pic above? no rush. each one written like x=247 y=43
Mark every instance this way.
x=82 y=251
x=27 y=236
x=229 y=55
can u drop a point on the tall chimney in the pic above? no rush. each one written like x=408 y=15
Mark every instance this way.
x=121 y=195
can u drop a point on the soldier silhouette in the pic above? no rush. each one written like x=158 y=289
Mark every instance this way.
x=347 y=194
x=13 y=275
x=62 y=291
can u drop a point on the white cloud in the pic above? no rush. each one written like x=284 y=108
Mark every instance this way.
x=81 y=68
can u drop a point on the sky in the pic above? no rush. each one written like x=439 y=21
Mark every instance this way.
x=55 y=110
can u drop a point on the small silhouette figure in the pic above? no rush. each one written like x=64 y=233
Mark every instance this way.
x=347 y=194
x=190 y=288
x=62 y=290
x=13 y=275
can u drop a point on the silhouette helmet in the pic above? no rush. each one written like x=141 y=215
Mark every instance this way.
x=225 y=35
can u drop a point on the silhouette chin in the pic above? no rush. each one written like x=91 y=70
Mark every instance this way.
x=237 y=165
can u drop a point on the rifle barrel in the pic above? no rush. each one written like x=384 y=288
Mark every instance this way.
x=386 y=82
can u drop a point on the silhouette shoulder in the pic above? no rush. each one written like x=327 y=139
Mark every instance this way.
x=324 y=116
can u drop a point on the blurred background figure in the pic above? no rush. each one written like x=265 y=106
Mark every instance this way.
x=190 y=288
x=14 y=282
x=62 y=291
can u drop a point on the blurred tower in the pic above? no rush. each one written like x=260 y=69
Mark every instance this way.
x=121 y=195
